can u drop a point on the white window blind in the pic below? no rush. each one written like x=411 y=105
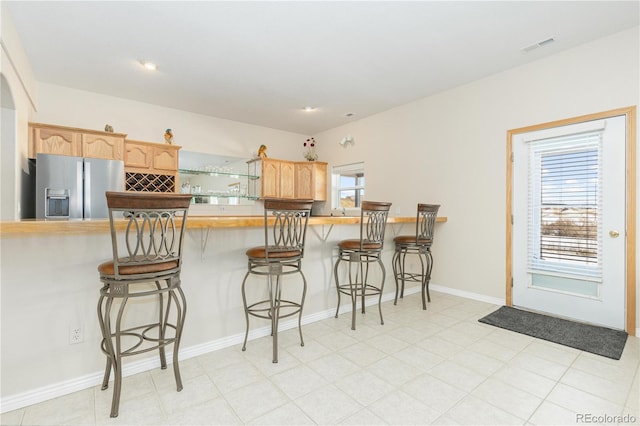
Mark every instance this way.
x=565 y=223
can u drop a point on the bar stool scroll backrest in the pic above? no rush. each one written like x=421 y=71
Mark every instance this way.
x=153 y=232
x=419 y=246
x=285 y=226
x=373 y=222
x=426 y=222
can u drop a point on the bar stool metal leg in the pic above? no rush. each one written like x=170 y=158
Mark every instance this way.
x=113 y=351
x=162 y=327
x=246 y=310
x=304 y=296
x=426 y=274
x=335 y=275
x=399 y=265
x=275 y=294
x=181 y=308
x=384 y=273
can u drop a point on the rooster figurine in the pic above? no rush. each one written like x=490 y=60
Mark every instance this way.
x=262 y=151
x=168 y=136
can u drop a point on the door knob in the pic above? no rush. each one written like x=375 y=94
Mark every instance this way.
x=614 y=234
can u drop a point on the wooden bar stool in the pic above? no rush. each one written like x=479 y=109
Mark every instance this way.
x=420 y=245
x=147 y=231
x=285 y=228
x=359 y=253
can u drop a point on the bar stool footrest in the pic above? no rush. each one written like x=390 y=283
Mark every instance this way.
x=142 y=338
x=369 y=290
x=256 y=308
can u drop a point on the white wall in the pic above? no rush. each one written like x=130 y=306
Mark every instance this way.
x=450 y=148
x=8 y=184
x=19 y=84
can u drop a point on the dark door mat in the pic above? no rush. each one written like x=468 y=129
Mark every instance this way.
x=589 y=338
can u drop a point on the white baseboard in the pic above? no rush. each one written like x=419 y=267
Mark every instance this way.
x=14 y=402
x=468 y=295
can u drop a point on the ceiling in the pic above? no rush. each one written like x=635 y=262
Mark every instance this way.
x=262 y=62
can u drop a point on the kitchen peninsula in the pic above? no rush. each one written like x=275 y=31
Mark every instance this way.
x=50 y=283
x=48 y=227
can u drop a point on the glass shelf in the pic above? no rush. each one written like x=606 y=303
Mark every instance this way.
x=214 y=180
x=234 y=175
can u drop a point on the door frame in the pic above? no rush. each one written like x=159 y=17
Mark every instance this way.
x=630 y=194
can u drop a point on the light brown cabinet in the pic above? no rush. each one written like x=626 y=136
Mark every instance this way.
x=288 y=179
x=277 y=178
x=70 y=141
x=150 y=167
x=311 y=180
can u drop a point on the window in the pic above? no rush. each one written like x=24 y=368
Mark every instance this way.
x=565 y=203
x=348 y=186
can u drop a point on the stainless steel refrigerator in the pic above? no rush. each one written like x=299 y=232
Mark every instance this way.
x=74 y=187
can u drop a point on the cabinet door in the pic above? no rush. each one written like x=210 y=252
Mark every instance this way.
x=287 y=179
x=304 y=180
x=102 y=146
x=270 y=178
x=165 y=159
x=137 y=155
x=55 y=141
x=311 y=181
x=319 y=181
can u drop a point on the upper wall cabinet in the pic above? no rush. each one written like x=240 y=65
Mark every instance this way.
x=150 y=167
x=59 y=140
x=288 y=179
x=151 y=157
x=277 y=178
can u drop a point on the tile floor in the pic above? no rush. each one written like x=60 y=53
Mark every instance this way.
x=439 y=366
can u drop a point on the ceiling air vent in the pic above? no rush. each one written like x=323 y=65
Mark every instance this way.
x=534 y=46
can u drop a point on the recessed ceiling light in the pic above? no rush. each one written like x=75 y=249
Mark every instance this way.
x=149 y=65
x=308 y=109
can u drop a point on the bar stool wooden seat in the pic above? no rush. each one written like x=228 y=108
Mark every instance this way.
x=360 y=253
x=418 y=244
x=147 y=231
x=285 y=228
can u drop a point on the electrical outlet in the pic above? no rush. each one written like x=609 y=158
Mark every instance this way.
x=75 y=334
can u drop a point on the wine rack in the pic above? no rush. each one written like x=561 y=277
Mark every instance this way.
x=149 y=182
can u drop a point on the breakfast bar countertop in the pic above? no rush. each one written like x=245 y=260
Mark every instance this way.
x=32 y=227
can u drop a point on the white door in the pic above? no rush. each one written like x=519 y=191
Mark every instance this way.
x=568 y=232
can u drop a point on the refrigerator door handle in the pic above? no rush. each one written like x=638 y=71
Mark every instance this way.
x=87 y=190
